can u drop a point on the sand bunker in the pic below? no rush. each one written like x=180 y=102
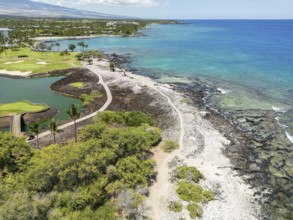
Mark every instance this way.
x=14 y=62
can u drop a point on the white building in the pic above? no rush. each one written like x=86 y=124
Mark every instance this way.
x=4 y=32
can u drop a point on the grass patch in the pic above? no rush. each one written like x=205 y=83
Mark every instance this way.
x=189 y=174
x=195 y=211
x=52 y=60
x=78 y=84
x=170 y=145
x=87 y=99
x=17 y=108
x=175 y=207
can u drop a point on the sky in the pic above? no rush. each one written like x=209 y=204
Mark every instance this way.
x=186 y=9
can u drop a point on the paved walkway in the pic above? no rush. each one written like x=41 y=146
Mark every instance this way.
x=16 y=125
x=95 y=70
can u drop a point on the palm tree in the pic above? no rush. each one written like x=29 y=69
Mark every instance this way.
x=57 y=45
x=54 y=129
x=83 y=45
x=35 y=128
x=74 y=114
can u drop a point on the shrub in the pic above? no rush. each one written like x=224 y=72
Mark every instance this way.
x=175 y=207
x=136 y=118
x=87 y=99
x=22 y=56
x=208 y=195
x=190 y=192
x=170 y=145
x=195 y=210
x=188 y=173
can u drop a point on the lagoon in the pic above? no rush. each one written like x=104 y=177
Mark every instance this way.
x=35 y=90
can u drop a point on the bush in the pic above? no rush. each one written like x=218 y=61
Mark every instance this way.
x=175 y=207
x=22 y=56
x=190 y=192
x=194 y=192
x=208 y=195
x=195 y=211
x=87 y=99
x=131 y=119
x=170 y=145
x=188 y=173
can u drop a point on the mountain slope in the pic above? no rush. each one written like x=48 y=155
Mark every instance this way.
x=27 y=8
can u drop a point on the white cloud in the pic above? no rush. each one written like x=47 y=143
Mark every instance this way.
x=106 y=2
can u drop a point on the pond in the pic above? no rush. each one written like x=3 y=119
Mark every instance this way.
x=37 y=91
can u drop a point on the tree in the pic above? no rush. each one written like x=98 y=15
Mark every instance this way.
x=71 y=47
x=35 y=128
x=64 y=53
x=74 y=114
x=82 y=45
x=14 y=153
x=54 y=129
x=57 y=45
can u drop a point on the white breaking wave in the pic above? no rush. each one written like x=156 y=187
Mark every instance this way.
x=277 y=109
x=223 y=91
x=289 y=137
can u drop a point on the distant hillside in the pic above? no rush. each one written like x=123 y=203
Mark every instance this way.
x=27 y=8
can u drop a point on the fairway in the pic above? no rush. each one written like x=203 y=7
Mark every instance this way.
x=37 y=62
x=17 y=108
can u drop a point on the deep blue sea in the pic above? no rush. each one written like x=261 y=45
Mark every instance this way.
x=252 y=60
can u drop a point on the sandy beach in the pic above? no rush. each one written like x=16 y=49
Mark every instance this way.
x=201 y=145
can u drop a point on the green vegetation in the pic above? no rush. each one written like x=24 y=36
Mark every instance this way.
x=78 y=84
x=103 y=176
x=39 y=27
x=37 y=62
x=88 y=99
x=188 y=190
x=54 y=128
x=170 y=145
x=74 y=114
x=175 y=207
x=195 y=211
x=189 y=174
x=17 y=108
x=90 y=55
x=35 y=128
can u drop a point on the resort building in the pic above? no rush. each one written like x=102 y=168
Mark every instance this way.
x=4 y=32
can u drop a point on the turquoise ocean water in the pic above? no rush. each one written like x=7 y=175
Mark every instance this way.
x=250 y=62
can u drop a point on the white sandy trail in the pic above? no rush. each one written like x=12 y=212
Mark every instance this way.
x=157 y=190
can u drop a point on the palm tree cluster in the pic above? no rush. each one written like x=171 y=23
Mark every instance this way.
x=74 y=114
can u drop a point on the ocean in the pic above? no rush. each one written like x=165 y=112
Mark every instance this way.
x=249 y=63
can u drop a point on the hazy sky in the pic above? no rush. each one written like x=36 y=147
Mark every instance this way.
x=197 y=9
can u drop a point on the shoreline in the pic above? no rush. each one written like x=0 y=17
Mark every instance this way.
x=200 y=142
x=196 y=150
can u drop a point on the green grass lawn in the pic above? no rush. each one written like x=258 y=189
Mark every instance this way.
x=37 y=62
x=78 y=84
x=21 y=107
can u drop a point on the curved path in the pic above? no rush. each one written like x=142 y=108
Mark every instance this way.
x=103 y=108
